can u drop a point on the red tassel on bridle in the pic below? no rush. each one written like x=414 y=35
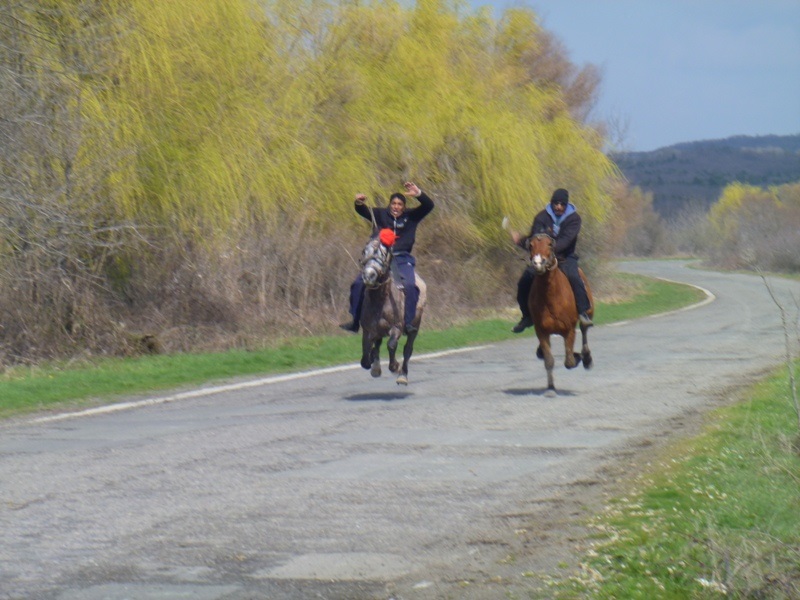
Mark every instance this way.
x=387 y=237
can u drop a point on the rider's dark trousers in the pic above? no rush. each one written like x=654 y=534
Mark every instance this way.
x=404 y=263
x=569 y=266
x=357 y=298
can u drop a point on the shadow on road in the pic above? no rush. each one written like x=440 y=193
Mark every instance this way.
x=535 y=392
x=379 y=396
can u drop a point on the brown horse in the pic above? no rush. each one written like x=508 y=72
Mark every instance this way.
x=382 y=312
x=552 y=306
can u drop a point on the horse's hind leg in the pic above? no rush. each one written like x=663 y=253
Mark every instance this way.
x=408 y=350
x=586 y=354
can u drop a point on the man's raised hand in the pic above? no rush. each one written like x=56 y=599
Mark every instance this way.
x=412 y=189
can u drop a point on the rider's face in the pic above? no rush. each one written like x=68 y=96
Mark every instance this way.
x=396 y=207
x=559 y=209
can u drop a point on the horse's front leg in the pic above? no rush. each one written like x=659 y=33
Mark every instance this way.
x=586 y=354
x=549 y=362
x=391 y=345
x=375 y=371
x=367 y=341
x=571 y=358
x=370 y=353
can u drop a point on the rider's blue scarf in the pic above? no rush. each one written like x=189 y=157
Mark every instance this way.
x=558 y=220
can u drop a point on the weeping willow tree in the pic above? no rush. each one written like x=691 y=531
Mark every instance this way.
x=241 y=107
x=233 y=110
x=460 y=102
x=208 y=137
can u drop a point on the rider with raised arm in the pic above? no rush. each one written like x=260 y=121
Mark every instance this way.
x=561 y=221
x=403 y=222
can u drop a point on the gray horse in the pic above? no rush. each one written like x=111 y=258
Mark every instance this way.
x=382 y=312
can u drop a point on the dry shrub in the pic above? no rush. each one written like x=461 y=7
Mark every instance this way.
x=755 y=565
x=756 y=228
x=689 y=232
x=266 y=282
x=638 y=230
x=53 y=312
x=776 y=246
x=457 y=289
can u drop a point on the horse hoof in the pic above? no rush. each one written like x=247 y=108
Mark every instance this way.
x=365 y=364
x=402 y=380
x=577 y=360
x=587 y=362
x=394 y=368
x=539 y=353
x=550 y=393
x=375 y=372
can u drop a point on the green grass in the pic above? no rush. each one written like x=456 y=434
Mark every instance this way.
x=718 y=517
x=58 y=385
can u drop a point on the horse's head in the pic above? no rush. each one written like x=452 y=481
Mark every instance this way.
x=543 y=257
x=375 y=261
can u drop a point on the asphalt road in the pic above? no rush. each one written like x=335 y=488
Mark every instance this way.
x=336 y=485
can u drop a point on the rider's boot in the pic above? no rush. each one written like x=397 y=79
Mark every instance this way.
x=523 y=324
x=351 y=326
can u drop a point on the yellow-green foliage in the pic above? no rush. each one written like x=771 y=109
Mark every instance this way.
x=760 y=227
x=226 y=111
x=736 y=201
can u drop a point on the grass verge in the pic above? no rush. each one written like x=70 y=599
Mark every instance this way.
x=72 y=385
x=718 y=517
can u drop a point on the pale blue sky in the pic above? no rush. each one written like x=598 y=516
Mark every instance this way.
x=683 y=70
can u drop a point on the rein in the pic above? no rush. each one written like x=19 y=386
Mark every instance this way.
x=372 y=216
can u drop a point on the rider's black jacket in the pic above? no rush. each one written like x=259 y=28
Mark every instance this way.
x=404 y=227
x=567 y=237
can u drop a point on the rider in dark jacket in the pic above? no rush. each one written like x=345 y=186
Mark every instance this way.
x=561 y=221
x=404 y=223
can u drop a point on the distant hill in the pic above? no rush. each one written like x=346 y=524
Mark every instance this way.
x=696 y=172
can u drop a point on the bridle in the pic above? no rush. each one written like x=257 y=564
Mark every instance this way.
x=537 y=262
x=375 y=262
